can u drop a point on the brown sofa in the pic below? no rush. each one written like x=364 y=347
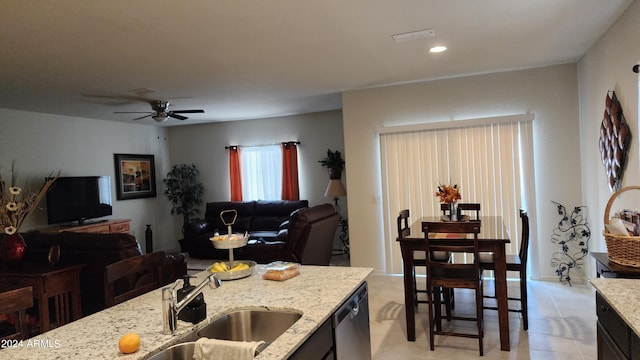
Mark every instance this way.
x=96 y=251
x=304 y=236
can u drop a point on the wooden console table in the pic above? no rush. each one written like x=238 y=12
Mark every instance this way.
x=103 y=227
x=608 y=269
x=55 y=286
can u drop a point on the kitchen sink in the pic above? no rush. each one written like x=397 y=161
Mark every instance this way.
x=238 y=325
x=250 y=325
x=182 y=351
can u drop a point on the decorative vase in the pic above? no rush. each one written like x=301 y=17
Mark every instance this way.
x=148 y=236
x=453 y=211
x=335 y=173
x=12 y=249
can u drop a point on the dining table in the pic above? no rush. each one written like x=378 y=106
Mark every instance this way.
x=492 y=238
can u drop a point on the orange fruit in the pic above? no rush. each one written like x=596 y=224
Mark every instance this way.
x=129 y=343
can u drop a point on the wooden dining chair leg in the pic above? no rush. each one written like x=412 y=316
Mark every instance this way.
x=446 y=296
x=415 y=288
x=523 y=300
x=480 y=317
x=431 y=297
x=437 y=306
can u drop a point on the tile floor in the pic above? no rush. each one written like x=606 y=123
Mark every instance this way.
x=562 y=323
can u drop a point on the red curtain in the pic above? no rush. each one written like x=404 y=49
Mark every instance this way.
x=234 y=173
x=290 y=189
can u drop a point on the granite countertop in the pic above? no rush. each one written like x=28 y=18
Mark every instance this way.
x=623 y=295
x=316 y=292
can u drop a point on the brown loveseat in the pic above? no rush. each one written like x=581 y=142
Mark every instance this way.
x=304 y=236
x=95 y=251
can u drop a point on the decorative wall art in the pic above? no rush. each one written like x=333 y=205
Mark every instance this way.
x=135 y=176
x=572 y=235
x=615 y=138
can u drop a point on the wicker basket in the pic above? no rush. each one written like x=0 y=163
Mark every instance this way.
x=623 y=250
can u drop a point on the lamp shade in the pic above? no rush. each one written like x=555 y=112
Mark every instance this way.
x=335 y=188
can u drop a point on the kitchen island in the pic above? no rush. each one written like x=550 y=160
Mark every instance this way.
x=316 y=293
x=618 y=318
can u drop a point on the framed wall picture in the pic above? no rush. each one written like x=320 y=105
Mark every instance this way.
x=135 y=176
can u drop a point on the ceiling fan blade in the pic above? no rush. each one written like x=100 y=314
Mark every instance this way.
x=176 y=116
x=141 y=117
x=133 y=112
x=188 y=111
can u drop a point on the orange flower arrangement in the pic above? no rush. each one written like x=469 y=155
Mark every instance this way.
x=448 y=193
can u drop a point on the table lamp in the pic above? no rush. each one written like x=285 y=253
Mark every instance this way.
x=335 y=189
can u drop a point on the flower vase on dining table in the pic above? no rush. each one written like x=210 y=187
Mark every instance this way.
x=453 y=211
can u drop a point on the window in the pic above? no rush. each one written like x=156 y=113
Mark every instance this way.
x=261 y=172
x=264 y=172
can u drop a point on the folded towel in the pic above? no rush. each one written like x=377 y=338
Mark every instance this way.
x=214 y=349
x=616 y=227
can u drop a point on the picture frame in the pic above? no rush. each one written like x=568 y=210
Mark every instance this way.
x=135 y=176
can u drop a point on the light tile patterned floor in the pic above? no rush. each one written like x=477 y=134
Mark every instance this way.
x=562 y=323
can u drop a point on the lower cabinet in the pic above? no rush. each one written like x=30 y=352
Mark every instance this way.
x=318 y=346
x=616 y=340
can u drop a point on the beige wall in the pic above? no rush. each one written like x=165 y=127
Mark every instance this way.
x=607 y=66
x=44 y=143
x=550 y=93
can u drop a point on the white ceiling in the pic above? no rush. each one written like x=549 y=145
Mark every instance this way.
x=244 y=59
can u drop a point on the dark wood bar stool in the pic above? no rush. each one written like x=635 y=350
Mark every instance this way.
x=514 y=263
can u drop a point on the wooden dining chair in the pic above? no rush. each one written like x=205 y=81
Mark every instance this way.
x=514 y=263
x=470 y=207
x=452 y=275
x=17 y=301
x=419 y=259
x=462 y=208
x=132 y=277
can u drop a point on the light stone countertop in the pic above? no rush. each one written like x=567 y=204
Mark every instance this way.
x=316 y=292
x=624 y=296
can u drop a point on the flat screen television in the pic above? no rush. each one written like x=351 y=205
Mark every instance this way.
x=76 y=199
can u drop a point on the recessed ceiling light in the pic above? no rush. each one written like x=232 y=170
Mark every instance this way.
x=438 y=49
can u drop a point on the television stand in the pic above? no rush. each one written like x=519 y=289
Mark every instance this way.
x=100 y=227
x=90 y=222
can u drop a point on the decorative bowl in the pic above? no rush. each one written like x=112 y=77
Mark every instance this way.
x=237 y=274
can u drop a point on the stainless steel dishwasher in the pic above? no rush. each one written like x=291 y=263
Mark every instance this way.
x=351 y=327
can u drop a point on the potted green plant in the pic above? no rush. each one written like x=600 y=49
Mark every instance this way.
x=184 y=191
x=334 y=163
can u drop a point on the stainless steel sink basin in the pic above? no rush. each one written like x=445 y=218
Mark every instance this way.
x=250 y=325
x=182 y=351
x=238 y=325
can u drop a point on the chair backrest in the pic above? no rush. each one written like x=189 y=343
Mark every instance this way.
x=470 y=207
x=437 y=268
x=17 y=301
x=312 y=232
x=403 y=224
x=462 y=207
x=132 y=277
x=524 y=241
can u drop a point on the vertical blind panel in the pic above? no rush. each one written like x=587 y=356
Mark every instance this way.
x=487 y=162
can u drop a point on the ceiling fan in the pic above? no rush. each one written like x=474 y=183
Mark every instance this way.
x=161 y=112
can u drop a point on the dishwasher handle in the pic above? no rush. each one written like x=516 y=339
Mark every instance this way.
x=351 y=308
